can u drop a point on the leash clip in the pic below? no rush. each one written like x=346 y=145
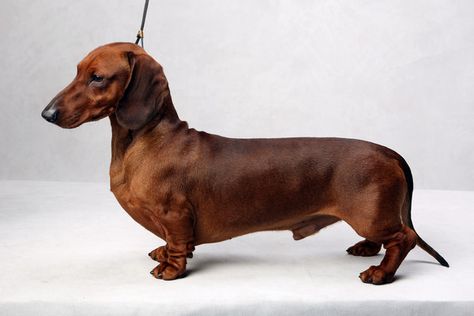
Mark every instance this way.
x=140 y=34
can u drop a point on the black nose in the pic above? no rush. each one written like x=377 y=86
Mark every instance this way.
x=50 y=114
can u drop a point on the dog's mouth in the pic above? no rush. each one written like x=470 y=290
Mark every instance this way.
x=80 y=117
x=71 y=121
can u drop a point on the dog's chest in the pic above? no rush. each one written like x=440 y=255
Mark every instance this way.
x=132 y=185
x=142 y=210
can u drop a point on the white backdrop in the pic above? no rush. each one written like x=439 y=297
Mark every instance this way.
x=400 y=73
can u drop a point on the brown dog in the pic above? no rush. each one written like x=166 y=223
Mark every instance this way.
x=190 y=188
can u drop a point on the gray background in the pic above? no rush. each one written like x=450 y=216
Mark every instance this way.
x=400 y=73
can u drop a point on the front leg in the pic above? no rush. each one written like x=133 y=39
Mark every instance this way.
x=179 y=235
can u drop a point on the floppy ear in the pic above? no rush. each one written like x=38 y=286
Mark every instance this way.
x=144 y=95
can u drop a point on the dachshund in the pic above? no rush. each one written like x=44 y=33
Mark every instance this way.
x=189 y=187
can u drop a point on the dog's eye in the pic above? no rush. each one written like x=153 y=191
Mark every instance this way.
x=96 y=78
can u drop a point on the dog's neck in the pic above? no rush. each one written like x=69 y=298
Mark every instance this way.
x=165 y=121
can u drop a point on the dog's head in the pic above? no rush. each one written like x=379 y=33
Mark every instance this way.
x=118 y=77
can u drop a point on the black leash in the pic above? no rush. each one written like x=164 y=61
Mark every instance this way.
x=140 y=34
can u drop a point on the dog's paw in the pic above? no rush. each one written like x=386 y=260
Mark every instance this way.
x=376 y=275
x=160 y=254
x=157 y=272
x=167 y=271
x=364 y=248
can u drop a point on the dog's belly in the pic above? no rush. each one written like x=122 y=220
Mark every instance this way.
x=301 y=226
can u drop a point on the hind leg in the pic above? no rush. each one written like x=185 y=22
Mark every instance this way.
x=365 y=248
x=397 y=247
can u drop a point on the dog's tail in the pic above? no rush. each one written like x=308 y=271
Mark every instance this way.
x=407 y=214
